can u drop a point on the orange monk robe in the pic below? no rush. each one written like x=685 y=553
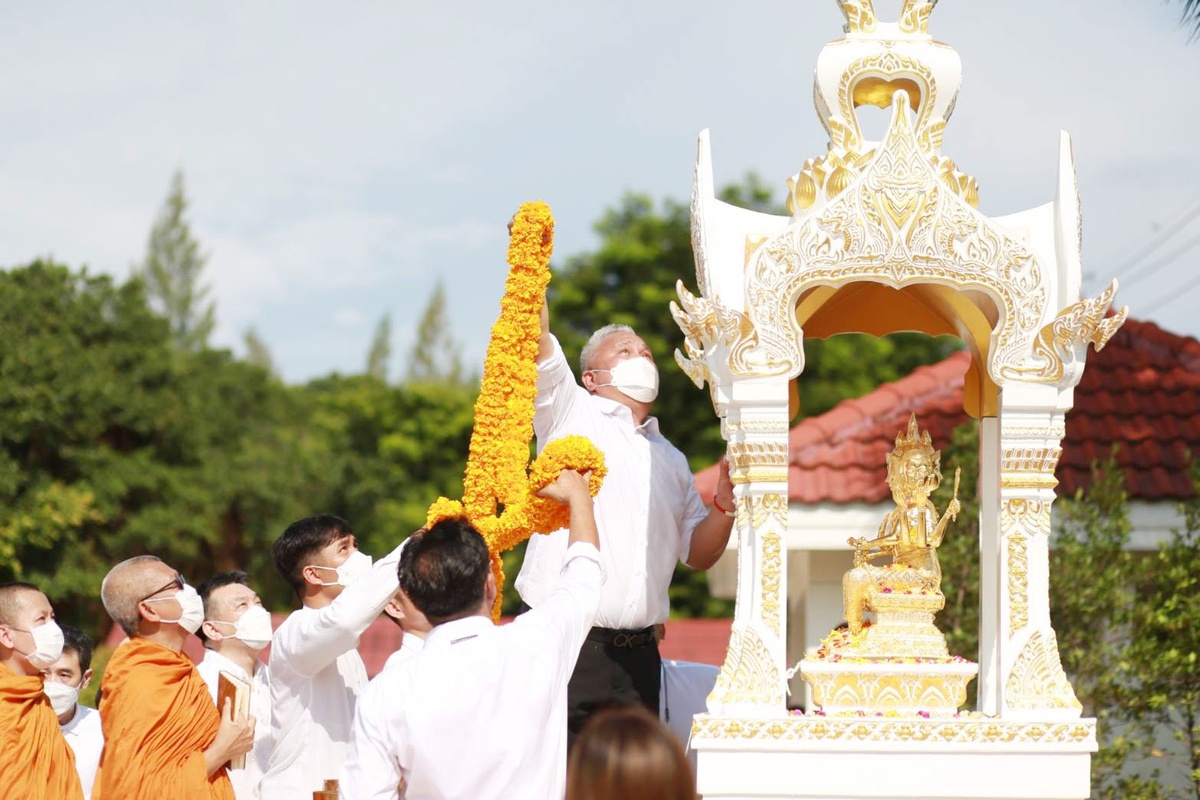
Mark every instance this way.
x=36 y=763
x=158 y=718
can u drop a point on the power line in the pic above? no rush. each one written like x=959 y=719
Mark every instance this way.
x=1162 y=262
x=1166 y=233
x=1174 y=294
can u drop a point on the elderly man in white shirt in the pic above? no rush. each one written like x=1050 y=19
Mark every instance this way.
x=235 y=631
x=648 y=511
x=80 y=725
x=481 y=713
x=316 y=672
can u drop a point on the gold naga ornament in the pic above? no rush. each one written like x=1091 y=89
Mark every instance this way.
x=500 y=485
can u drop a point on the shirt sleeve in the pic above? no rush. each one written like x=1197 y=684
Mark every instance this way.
x=557 y=393
x=693 y=513
x=320 y=635
x=371 y=770
x=570 y=610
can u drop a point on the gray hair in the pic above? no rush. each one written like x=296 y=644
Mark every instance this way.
x=122 y=590
x=589 y=349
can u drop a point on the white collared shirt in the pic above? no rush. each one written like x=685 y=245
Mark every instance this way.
x=410 y=647
x=645 y=511
x=482 y=713
x=316 y=677
x=86 y=738
x=245 y=780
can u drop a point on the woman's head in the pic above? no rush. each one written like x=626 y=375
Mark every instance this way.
x=627 y=754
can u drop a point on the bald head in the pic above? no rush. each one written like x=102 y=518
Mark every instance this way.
x=130 y=582
x=15 y=599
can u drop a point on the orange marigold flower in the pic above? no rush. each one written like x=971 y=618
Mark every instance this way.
x=498 y=473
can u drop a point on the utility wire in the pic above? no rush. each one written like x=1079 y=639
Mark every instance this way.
x=1174 y=294
x=1166 y=233
x=1162 y=262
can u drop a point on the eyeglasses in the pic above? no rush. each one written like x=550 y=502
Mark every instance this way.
x=177 y=583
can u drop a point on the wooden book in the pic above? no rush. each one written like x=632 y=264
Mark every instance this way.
x=237 y=690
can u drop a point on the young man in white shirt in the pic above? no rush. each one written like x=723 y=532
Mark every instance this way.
x=316 y=672
x=648 y=512
x=80 y=725
x=236 y=629
x=481 y=713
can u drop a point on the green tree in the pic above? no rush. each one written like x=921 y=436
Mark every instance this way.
x=435 y=356
x=257 y=352
x=173 y=271
x=115 y=442
x=379 y=355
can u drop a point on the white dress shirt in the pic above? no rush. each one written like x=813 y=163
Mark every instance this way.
x=86 y=739
x=410 y=647
x=482 y=713
x=645 y=511
x=316 y=676
x=245 y=780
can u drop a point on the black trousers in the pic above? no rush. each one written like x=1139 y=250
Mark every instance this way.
x=607 y=676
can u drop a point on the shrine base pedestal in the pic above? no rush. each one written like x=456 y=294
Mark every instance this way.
x=814 y=757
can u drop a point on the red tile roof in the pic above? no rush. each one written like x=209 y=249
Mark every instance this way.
x=1141 y=392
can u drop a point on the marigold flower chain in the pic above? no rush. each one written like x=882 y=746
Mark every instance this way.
x=498 y=471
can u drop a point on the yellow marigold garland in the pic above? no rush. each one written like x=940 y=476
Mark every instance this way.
x=498 y=470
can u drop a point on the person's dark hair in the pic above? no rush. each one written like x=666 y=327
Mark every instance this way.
x=627 y=754
x=217 y=581
x=444 y=570
x=292 y=550
x=75 y=640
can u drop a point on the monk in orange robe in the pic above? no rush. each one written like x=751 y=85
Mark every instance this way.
x=163 y=737
x=36 y=763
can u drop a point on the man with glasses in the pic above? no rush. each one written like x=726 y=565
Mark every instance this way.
x=35 y=761
x=163 y=737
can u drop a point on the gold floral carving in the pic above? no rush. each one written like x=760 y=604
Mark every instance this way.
x=772 y=564
x=1037 y=679
x=749 y=674
x=1018 y=581
x=888 y=687
x=860 y=16
x=914 y=17
x=705 y=325
x=1054 y=349
x=1021 y=520
x=756 y=426
x=936 y=732
x=900 y=226
x=757 y=462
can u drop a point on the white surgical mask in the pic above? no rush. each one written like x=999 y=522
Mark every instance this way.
x=63 y=697
x=191 y=608
x=253 y=627
x=47 y=644
x=634 y=377
x=353 y=568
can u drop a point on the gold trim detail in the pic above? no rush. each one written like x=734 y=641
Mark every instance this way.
x=772 y=506
x=1037 y=679
x=749 y=674
x=914 y=17
x=934 y=732
x=1021 y=520
x=1054 y=349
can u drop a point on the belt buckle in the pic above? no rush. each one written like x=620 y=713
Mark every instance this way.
x=622 y=640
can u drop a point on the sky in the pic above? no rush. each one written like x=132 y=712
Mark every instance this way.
x=341 y=159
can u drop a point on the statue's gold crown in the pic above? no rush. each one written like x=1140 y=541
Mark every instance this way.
x=912 y=441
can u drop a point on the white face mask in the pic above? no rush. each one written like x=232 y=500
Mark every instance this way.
x=253 y=627
x=636 y=378
x=191 y=608
x=353 y=568
x=63 y=697
x=47 y=644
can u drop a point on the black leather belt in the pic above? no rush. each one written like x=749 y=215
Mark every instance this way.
x=623 y=639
